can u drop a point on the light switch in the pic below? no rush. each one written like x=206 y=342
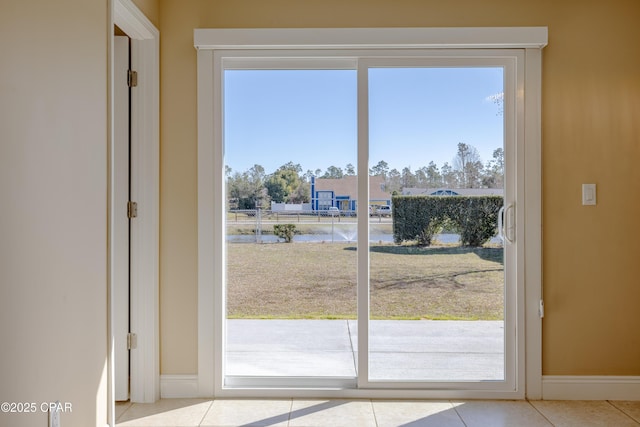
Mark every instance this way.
x=588 y=194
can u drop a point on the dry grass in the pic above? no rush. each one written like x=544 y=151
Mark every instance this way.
x=316 y=280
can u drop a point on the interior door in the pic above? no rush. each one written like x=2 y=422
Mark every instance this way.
x=121 y=221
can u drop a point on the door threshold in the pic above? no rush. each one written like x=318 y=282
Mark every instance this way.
x=265 y=382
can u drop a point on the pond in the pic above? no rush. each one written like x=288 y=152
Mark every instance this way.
x=338 y=237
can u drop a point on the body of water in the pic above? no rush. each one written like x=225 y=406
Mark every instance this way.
x=337 y=238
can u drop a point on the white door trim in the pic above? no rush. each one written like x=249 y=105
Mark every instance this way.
x=532 y=219
x=145 y=185
x=532 y=40
x=372 y=38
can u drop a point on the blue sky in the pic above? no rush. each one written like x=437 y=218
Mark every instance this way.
x=417 y=115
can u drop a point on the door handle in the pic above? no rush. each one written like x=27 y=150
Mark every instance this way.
x=506 y=233
x=510 y=230
x=501 y=223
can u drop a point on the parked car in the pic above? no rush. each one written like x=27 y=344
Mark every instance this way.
x=384 y=211
x=333 y=211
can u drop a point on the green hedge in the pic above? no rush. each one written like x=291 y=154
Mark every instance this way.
x=419 y=218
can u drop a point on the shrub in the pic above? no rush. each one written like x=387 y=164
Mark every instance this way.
x=285 y=231
x=477 y=219
x=419 y=218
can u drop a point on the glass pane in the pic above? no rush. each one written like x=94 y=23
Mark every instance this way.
x=437 y=276
x=290 y=151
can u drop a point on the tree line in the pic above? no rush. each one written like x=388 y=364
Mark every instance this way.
x=289 y=184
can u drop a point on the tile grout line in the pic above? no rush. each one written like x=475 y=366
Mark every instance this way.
x=124 y=412
x=539 y=411
x=373 y=409
x=623 y=412
x=206 y=412
x=457 y=413
x=290 y=411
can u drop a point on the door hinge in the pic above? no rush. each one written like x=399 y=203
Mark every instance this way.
x=541 y=309
x=132 y=341
x=132 y=78
x=132 y=209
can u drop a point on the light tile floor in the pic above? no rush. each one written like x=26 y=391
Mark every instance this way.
x=376 y=413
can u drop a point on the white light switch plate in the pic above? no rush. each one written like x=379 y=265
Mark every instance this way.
x=54 y=416
x=588 y=194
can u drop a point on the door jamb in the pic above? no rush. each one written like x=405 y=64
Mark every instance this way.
x=145 y=185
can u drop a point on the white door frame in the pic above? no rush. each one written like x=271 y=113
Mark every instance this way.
x=145 y=185
x=207 y=41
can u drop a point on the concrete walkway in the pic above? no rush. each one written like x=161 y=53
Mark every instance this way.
x=399 y=350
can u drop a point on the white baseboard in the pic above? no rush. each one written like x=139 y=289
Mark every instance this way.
x=176 y=386
x=569 y=387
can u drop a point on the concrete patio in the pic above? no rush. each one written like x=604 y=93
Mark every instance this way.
x=399 y=350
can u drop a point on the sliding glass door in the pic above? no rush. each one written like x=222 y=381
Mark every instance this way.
x=438 y=293
x=369 y=221
x=290 y=226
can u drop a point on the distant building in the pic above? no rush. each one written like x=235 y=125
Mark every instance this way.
x=290 y=207
x=453 y=192
x=343 y=193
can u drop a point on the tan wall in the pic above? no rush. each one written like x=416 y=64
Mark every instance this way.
x=53 y=217
x=591 y=134
x=151 y=9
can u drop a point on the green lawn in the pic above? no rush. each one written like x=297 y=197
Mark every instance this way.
x=318 y=280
